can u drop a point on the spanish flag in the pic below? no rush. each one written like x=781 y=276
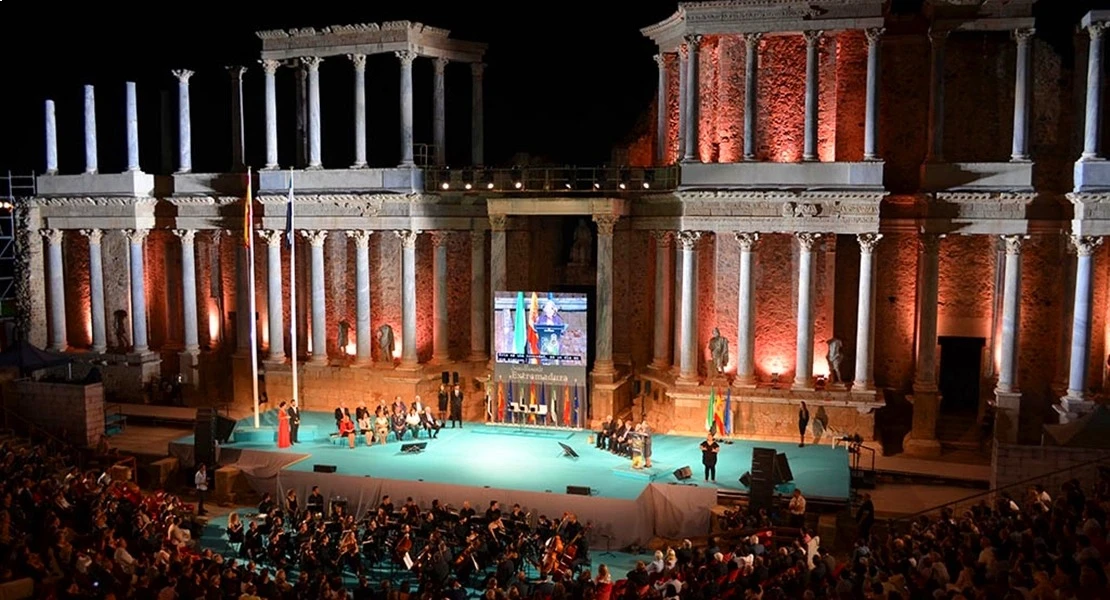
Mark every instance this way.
x=248 y=213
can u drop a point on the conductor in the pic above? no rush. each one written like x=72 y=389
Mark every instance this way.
x=709 y=450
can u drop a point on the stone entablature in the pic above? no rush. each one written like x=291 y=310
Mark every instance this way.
x=980 y=15
x=368 y=38
x=846 y=213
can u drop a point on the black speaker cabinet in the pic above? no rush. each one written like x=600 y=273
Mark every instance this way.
x=445 y=377
x=224 y=428
x=323 y=468
x=782 y=473
x=683 y=474
x=578 y=490
x=204 y=436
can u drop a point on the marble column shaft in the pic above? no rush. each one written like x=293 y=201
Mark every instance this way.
x=132 y=126
x=928 y=284
x=803 y=364
x=676 y=318
x=865 y=318
x=363 y=334
x=692 y=99
x=96 y=290
x=440 y=334
x=55 y=272
x=237 y=132
x=136 y=239
x=745 y=315
x=359 y=62
x=319 y=294
x=312 y=65
x=269 y=69
x=274 y=305
x=664 y=298
x=688 y=365
x=1020 y=146
x=751 y=92
x=1011 y=314
x=1092 y=123
x=812 y=106
x=661 y=111
x=184 y=122
x=603 y=360
x=871 y=108
x=478 y=320
x=683 y=59
x=189 y=288
x=439 y=110
x=406 y=57
x=51 y=139
x=90 y=130
x=477 y=116
x=935 y=148
x=408 y=296
x=1085 y=248
x=497 y=272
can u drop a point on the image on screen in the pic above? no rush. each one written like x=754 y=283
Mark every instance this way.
x=541 y=328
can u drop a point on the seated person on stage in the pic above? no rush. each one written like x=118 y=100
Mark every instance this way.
x=234 y=529
x=618 y=442
x=605 y=432
x=266 y=505
x=339 y=412
x=430 y=423
x=412 y=421
x=397 y=422
x=365 y=423
x=347 y=429
x=381 y=424
x=315 y=502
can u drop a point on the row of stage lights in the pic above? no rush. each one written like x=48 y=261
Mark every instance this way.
x=486 y=181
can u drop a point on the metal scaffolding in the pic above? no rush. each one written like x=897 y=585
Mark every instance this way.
x=17 y=188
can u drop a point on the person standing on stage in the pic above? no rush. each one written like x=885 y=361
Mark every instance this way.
x=294 y=421
x=444 y=397
x=709 y=450
x=201 y=482
x=803 y=422
x=340 y=411
x=283 y=427
x=456 y=406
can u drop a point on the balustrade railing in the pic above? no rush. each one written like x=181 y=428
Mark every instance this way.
x=553 y=180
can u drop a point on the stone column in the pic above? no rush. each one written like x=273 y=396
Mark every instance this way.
x=359 y=62
x=803 y=364
x=1011 y=314
x=312 y=65
x=683 y=61
x=809 y=151
x=132 y=127
x=497 y=272
x=440 y=335
x=363 y=334
x=55 y=272
x=745 y=314
x=935 y=150
x=751 y=92
x=1020 y=147
x=269 y=68
x=664 y=298
x=865 y=320
x=871 y=110
x=96 y=290
x=603 y=359
x=688 y=362
x=1085 y=248
x=661 y=111
x=237 y=149
x=189 y=288
x=406 y=57
x=676 y=318
x=478 y=303
x=136 y=238
x=90 y=130
x=409 y=357
x=439 y=112
x=477 y=116
x=184 y=122
x=692 y=100
x=302 y=114
x=319 y=293
x=922 y=439
x=1092 y=123
x=274 y=308
x=51 y=139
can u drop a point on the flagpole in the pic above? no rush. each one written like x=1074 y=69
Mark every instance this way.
x=252 y=315
x=293 y=287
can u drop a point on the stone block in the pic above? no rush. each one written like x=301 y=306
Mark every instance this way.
x=64 y=409
x=813 y=175
x=338 y=181
x=978 y=176
x=132 y=184
x=163 y=471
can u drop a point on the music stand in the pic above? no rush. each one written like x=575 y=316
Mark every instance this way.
x=608 y=545
x=568 y=451
x=416 y=448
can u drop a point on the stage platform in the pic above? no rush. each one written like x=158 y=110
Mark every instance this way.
x=480 y=462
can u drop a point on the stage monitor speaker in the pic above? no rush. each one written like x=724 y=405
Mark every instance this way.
x=414 y=448
x=323 y=468
x=782 y=473
x=445 y=377
x=762 y=488
x=568 y=451
x=224 y=428
x=683 y=474
x=578 y=490
x=746 y=479
x=204 y=437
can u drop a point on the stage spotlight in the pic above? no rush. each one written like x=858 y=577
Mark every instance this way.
x=649 y=178
x=487 y=179
x=445 y=185
x=468 y=179
x=626 y=178
x=518 y=178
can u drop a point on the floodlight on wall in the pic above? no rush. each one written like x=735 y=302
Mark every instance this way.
x=626 y=178
x=487 y=179
x=518 y=178
x=649 y=178
x=445 y=185
x=468 y=180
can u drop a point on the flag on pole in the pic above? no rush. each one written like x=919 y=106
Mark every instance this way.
x=566 y=405
x=533 y=337
x=728 y=412
x=543 y=402
x=508 y=406
x=520 y=327
x=531 y=403
x=290 y=232
x=710 y=409
x=500 y=400
x=719 y=417
x=577 y=417
x=248 y=242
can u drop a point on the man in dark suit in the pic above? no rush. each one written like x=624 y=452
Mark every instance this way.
x=294 y=420
x=456 y=406
x=340 y=411
x=604 y=433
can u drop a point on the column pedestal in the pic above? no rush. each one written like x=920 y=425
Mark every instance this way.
x=1007 y=416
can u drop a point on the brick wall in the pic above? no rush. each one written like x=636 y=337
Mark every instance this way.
x=65 y=409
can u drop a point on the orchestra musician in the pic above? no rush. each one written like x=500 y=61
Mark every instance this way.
x=315 y=502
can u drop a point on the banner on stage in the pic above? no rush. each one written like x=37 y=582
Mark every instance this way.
x=540 y=337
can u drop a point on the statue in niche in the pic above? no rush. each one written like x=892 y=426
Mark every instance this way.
x=119 y=326
x=718 y=350
x=581 y=253
x=385 y=343
x=835 y=355
x=344 y=336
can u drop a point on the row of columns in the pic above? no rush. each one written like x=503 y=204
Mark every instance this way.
x=131 y=131
x=689 y=97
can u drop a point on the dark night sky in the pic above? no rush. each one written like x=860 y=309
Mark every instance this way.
x=563 y=81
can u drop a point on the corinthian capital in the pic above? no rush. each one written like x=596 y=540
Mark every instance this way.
x=660 y=60
x=1013 y=243
x=689 y=239
x=752 y=39
x=1024 y=34
x=693 y=40
x=236 y=72
x=136 y=236
x=358 y=60
x=52 y=236
x=312 y=63
x=606 y=223
x=315 y=237
x=498 y=222
x=272 y=237
x=440 y=238
x=269 y=66
x=874 y=34
x=746 y=240
x=663 y=237
x=929 y=243
x=812 y=36
x=408 y=237
x=361 y=237
x=188 y=236
x=868 y=242
x=182 y=75
x=807 y=241
x=477 y=237
x=95 y=236
x=440 y=64
x=1095 y=30
x=406 y=56
x=1085 y=245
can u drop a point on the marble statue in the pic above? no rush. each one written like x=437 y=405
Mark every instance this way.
x=385 y=343
x=344 y=336
x=834 y=356
x=718 y=349
x=580 y=252
x=119 y=324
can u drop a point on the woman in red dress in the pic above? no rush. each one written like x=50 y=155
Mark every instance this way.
x=283 y=427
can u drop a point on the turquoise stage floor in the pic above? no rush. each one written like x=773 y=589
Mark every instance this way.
x=514 y=458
